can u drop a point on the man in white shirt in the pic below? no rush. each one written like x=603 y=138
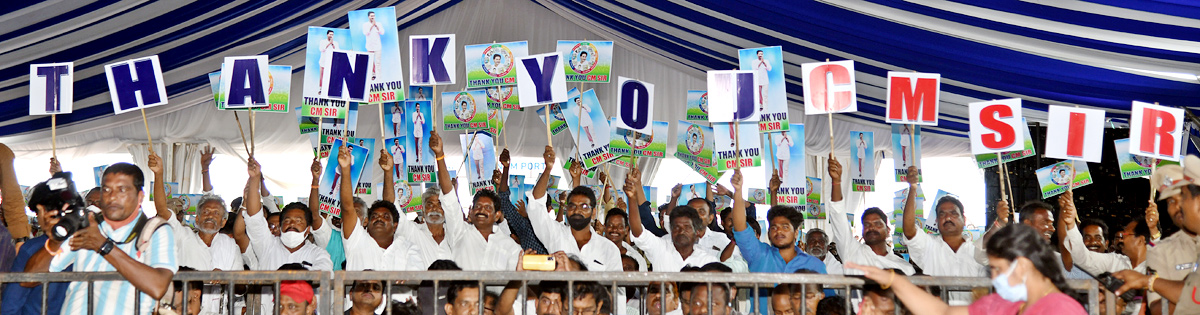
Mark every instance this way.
x=497 y=67
x=761 y=67
x=905 y=140
x=477 y=246
x=1132 y=256
x=206 y=248
x=477 y=156
x=709 y=241
x=397 y=165
x=577 y=238
x=326 y=46
x=585 y=123
x=616 y=222
x=418 y=125
x=816 y=243
x=383 y=249
x=783 y=152
x=671 y=252
x=874 y=250
x=373 y=31
x=861 y=145
x=397 y=120
x=429 y=236
x=950 y=255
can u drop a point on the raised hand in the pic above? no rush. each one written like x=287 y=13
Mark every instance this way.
x=504 y=158
x=548 y=157
x=315 y=168
x=835 y=169
x=155 y=163
x=435 y=144
x=603 y=178
x=1002 y=212
x=385 y=161
x=721 y=190
x=344 y=158
x=206 y=156
x=736 y=180
x=576 y=170
x=253 y=169
x=676 y=191
x=775 y=182
x=1152 y=215
x=55 y=167
x=1066 y=206
x=911 y=177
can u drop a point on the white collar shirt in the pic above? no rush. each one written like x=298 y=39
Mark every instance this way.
x=936 y=258
x=364 y=253
x=420 y=236
x=661 y=252
x=471 y=251
x=852 y=250
x=272 y=254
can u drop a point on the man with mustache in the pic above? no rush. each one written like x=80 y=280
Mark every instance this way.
x=1093 y=231
x=950 y=255
x=295 y=224
x=671 y=252
x=382 y=250
x=366 y=296
x=478 y=246
x=816 y=243
x=578 y=238
x=1171 y=256
x=205 y=248
x=874 y=249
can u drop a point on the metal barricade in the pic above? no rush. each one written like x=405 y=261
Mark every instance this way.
x=331 y=286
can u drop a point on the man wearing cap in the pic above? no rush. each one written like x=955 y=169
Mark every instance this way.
x=1175 y=255
x=1186 y=293
x=297 y=298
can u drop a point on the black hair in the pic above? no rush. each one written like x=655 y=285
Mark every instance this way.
x=754 y=225
x=636 y=265
x=577 y=261
x=1193 y=189
x=308 y=216
x=456 y=288
x=715 y=267
x=690 y=214
x=952 y=200
x=552 y=287
x=759 y=51
x=794 y=217
x=712 y=206
x=269 y=215
x=391 y=207
x=1020 y=240
x=617 y=212
x=444 y=264
x=1097 y=222
x=405 y=308
x=487 y=193
x=123 y=168
x=586 y=192
x=1140 y=228
x=598 y=293
x=873 y=211
x=831 y=305
x=495 y=55
x=1029 y=208
x=192 y=285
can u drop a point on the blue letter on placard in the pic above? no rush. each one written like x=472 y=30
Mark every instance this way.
x=635 y=105
x=245 y=71
x=429 y=59
x=128 y=89
x=353 y=76
x=53 y=88
x=541 y=76
x=745 y=96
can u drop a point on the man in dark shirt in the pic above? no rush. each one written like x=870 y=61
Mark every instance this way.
x=26 y=298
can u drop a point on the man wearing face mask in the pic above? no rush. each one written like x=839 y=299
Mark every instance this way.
x=874 y=250
x=476 y=246
x=382 y=250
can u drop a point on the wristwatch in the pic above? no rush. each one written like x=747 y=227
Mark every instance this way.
x=106 y=247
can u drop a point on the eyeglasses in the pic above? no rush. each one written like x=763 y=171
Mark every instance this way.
x=579 y=206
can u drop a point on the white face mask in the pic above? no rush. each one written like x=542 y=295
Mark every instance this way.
x=291 y=239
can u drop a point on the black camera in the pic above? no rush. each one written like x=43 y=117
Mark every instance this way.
x=1112 y=284
x=54 y=194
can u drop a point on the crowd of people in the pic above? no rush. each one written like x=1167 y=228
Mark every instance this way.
x=1028 y=259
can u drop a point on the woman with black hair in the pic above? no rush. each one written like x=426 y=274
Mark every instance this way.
x=1026 y=278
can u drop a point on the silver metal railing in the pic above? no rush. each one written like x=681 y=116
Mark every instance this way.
x=331 y=286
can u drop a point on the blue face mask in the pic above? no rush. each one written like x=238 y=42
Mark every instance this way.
x=1011 y=293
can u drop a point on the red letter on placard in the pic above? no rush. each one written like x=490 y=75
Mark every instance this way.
x=1075 y=134
x=820 y=87
x=1004 y=134
x=1160 y=124
x=921 y=99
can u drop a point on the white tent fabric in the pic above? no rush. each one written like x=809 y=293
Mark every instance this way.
x=191 y=118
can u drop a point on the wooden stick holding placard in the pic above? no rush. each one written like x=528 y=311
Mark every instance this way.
x=54 y=136
x=737 y=146
x=251 y=132
x=147 y=125
x=549 y=139
x=243 y=132
x=1153 y=168
x=435 y=99
x=382 y=134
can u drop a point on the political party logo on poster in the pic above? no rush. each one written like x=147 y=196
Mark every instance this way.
x=695 y=140
x=504 y=96
x=466 y=107
x=497 y=61
x=408 y=197
x=697 y=105
x=461 y=110
x=587 y=61
x=758 y=196
x=1062 y=174
x=1055 y=179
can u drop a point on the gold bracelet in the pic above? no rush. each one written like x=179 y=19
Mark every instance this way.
x=1150 y=285
x=890 y=281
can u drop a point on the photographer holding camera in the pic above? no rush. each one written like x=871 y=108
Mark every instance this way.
x=121 y=238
